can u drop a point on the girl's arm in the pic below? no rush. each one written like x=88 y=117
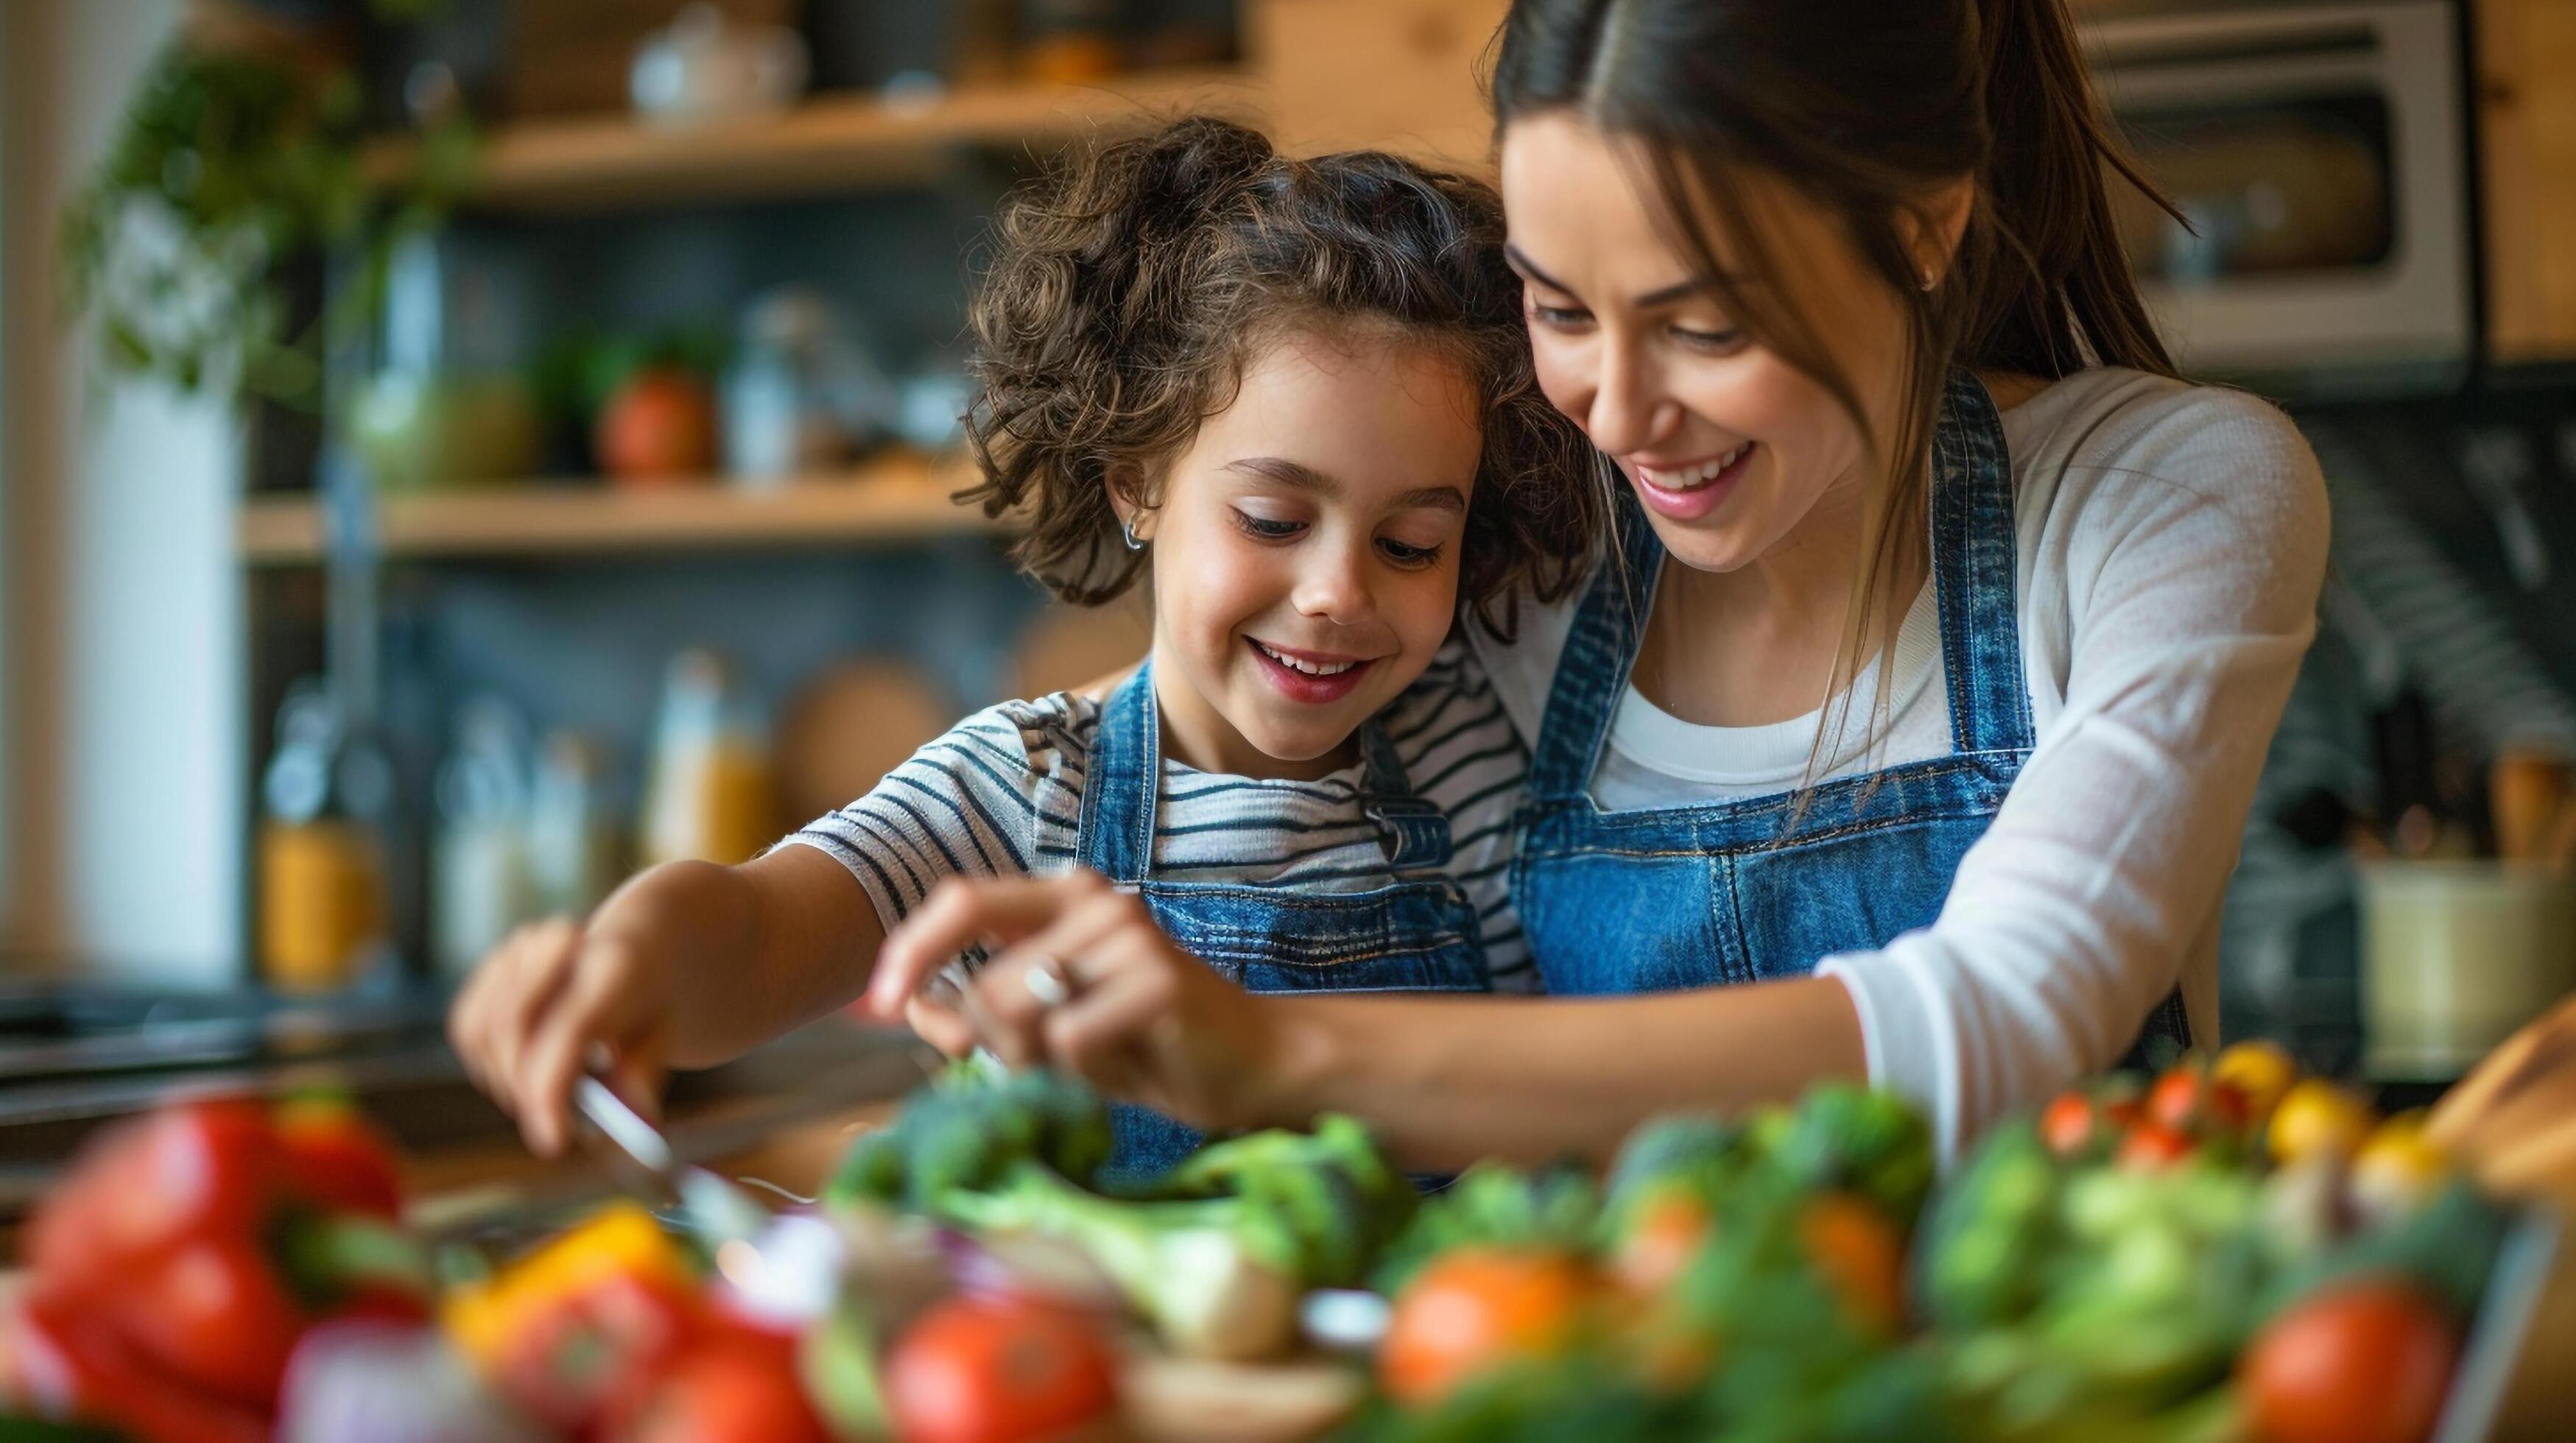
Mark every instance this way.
x=1445 y=1080
x=689 y=964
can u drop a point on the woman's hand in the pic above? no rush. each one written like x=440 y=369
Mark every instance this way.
x=1125 y=1009
x=551 y=996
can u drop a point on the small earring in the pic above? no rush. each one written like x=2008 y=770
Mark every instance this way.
x=1931 y=279
x=1127 y=529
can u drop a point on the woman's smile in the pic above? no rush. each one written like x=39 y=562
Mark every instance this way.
x=1689 y=490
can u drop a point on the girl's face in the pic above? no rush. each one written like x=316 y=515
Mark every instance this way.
x=1305 y=550
x=1735 y=453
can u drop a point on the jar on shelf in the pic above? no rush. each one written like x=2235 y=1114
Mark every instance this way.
x=323 y=914
x=480 y=883
x=710 y=794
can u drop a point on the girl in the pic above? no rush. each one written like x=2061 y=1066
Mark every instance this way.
x=1294 y=390
x=1914 y=737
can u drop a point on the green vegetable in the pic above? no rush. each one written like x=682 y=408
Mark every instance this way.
x=970 y=1127
x=1845 y=1137
x=1491 y=1204
x=1216 y=1255
x=1985 y=1244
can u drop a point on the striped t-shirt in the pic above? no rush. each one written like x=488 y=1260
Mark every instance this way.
x=1001 y=795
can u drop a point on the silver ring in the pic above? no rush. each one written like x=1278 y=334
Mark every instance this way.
x=1047 y=985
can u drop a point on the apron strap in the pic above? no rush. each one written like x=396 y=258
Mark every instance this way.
x=1973 y=565
x=1592 y=670
x=1122 y=788
x=1122 y=783
x=1414 y=832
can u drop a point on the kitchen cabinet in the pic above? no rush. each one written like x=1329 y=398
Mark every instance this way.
x=2526 y=115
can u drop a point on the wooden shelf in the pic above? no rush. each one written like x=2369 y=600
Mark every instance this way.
x=900 y=500
x=823 y=146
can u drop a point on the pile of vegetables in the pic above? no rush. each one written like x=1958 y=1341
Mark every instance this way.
x=2224 y=1251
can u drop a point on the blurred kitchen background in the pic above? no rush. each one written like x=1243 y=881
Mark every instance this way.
x=458 y=450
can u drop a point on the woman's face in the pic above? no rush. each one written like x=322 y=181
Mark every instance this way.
x=1735 y=453
x=1306 y=550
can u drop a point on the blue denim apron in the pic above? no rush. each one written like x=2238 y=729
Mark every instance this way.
x=1413 y=935
x=1696 y=895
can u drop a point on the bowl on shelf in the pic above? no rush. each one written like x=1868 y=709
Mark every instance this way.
x=418 y=432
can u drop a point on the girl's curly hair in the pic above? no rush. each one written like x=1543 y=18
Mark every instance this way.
x=1130 y=287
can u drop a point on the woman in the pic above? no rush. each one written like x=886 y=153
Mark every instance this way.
x=1910 y=732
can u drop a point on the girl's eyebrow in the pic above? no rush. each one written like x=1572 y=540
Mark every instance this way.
x=1299 y=476
x=1660 y=296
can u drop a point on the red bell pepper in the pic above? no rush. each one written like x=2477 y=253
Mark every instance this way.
x=195 y=1238
x=70 y=1366
x=199 y=1169
x=336 y=1158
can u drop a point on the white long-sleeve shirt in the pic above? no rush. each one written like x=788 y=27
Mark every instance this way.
x=2170 y=548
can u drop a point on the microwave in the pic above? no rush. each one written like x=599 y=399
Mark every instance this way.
x=2317 y=153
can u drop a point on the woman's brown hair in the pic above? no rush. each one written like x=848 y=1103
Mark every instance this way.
x=1868 y=109
x=1129 y=288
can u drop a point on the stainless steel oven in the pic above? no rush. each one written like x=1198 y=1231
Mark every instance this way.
x=2316 y=150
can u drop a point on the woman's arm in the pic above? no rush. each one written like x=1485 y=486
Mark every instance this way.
x=2177 y=572
x=1445 y=1080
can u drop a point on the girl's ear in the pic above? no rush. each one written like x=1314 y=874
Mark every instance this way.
x=1126 y=492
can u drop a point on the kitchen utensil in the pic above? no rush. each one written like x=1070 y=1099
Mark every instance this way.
x=711 y=1206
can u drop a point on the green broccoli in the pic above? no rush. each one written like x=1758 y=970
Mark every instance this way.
x=1216 y=1254
x=1846 y=1137
x=1217 y=1277
x=1491 y=1203
x=970 y=1125
x=1345 y=1200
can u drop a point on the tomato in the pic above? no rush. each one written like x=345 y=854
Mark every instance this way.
x=992 y=1370
x=2067 y=1126
x=2184 y=1100
x=1660 y=1242
x=2366 y=1361
x=659 y=426
x=2152 y=1146
x=739 y=1388
x=338 y=1158
x=1861 y=1256
x=2315 y=1118
x=1474 y=1310
x=2261 y=1070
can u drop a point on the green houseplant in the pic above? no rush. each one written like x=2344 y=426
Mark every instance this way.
x=244 y=149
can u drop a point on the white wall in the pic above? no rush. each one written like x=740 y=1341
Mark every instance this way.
x=124 y=641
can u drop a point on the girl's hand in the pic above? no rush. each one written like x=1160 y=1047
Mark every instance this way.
x=548 y=999
x=1144 y=1021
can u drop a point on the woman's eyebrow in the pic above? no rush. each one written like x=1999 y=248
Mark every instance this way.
x=1661 y=296
x=1299 y=476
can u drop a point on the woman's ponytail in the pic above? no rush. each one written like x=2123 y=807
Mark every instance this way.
x=2057 y=292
